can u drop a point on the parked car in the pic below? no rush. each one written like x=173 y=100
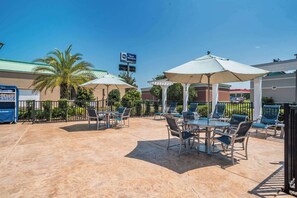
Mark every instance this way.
x=237 y=100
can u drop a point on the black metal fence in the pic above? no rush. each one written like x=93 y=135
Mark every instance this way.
x=66 y=110
x=290 y=165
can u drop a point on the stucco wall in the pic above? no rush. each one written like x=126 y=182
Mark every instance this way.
x=281 y=87
x=24 y=81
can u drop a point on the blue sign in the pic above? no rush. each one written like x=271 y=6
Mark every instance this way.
x=127 y=57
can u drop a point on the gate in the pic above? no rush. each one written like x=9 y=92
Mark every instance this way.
x=290 y=165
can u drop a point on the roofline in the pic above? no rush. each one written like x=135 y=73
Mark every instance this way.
x=275 y=63
x=100 y=70
x=31 y=63
x=23 y=72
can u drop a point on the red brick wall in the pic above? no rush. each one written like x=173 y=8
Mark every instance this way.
x=146 y=95
x=202 y=94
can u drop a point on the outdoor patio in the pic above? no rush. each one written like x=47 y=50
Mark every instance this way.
x=68 y=160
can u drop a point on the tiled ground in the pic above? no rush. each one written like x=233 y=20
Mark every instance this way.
x=68 y=160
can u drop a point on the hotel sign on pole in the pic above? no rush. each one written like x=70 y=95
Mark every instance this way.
x=127 y=57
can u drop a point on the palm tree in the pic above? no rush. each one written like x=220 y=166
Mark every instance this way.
x=62 y=70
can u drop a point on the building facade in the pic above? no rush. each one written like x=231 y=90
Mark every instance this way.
x=280 y=85
x=20 y=74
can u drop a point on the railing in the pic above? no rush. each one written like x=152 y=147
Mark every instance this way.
x=63 y=110
x=66 y=110
x=290 y=165
x=51 y=111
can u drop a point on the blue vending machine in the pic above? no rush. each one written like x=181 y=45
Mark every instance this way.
x=9 y=100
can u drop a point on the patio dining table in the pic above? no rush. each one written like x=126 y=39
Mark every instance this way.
x=107 y=115
x=208 y=124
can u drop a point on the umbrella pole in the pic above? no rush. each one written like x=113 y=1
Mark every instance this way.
x=107 y=86
x=208 y=97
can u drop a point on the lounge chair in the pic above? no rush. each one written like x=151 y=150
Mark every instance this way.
x=171 y=110
x=93 y=115
x=179 y=131
x=123 y=117
x=219 y=111
x=241 y=135
x=191 y=114
x=268 y=120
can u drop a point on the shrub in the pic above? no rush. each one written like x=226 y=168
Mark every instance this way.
x=63 y=106
x=117 y=105
x=147 y=107
x=39 y=114
x=29 y=106
x=130 y=97
x=202 y=110
x=267 y=100
x=156 y=106
x=179 y=109
x=47 y=108
x=84 y=96
x=138 y=107
x=129 y=100
x=113 y=97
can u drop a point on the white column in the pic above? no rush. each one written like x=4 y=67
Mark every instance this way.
x=257 y=98
x=185 y=96
x=164 y=97
x=215 y=95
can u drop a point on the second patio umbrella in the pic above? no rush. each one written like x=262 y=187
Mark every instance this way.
x=211 y=69
x=108 y=81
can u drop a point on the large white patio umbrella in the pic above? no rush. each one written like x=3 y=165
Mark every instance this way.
x=210 y=69
x=108 y=81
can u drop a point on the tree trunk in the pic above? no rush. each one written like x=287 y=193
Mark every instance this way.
x=64 y=92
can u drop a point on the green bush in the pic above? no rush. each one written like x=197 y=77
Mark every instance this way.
x=114 y=96
x=267 y=100
x=130 y=98
x=179 y=109
x=29 y=108
x=147 y=107
x=202 y=110
x=83 y=97
x=156 y=106
x=117 y=105
x=72 y=110
x=138 y=107
x=39 y=114
x=47 y=109
x=63 y=106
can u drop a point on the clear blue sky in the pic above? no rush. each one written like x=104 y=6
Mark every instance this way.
x=163 y=33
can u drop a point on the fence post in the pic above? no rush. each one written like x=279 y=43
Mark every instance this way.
x=97 y=106
x=33 y=111
x=51 y=111
x=67 y=111
x=286 y=149
x=142 y=113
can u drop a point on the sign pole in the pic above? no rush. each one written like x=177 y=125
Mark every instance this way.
x=128 y=70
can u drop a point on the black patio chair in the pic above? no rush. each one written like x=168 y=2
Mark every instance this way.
x=179 y=131
x=94 y=116
x=191 y=114
x=241 y=135
x=123 y=117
